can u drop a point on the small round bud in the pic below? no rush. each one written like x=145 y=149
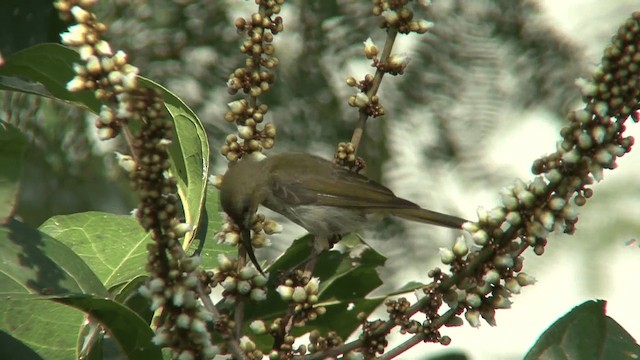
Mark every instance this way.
x=286 y=292
x=299 y=294
x=460 y=248
x=447 y=256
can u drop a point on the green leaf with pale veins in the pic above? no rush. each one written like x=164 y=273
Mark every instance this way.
x=32 y=266
x=38 y=329
x=114 y=246
x=34 y=262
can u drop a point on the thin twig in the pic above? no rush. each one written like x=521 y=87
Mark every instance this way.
x=358 y=132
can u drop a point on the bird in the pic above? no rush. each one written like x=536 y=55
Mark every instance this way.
x=325 y=199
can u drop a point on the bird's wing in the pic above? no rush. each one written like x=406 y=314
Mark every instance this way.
x=342 y=188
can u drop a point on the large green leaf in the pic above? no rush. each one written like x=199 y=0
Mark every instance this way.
x=586 y=332
x=38 y=329
x=33 y=262
x=132 y=333
x=114 y=246
x=49 y=67
x=13 y=145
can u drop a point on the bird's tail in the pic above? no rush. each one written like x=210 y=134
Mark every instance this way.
x=429 y=217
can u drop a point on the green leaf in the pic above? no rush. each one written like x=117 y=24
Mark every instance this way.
x=38 y=329
x=51 y=67
x=13 y=145
x=205 y=243
x=131 y=332
x=586 y=332
x=128 y=294
x=114 y=246
x=189 y=153
x=33 y=262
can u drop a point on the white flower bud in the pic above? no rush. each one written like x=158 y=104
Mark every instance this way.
x=183 y=321
x=258 y=294
x=81 y=15
x=601 y=108
x=446 y=256
x=182 y=228
x=473 y=318
x=598 y=133
x=245 y=132
x=103 y=48
x=460 y=248
x=473 y=300
x=299 y=295
x=247 y=272
x=76 y=84
x=424 y=26
x=271 y=227
x=483 y=215
x=258 y=327
x=503 y=261
x=492 y=276
x=238 y=107
x=93 y=65
x=246 y=344
x=244 y=287
x=480 y=237
x=501 y=302
x=538 y=186
x=361 y=100
x=557 y=203
x=525 y=279
x=312 y=286
x=399 y=62
x=231 y=238
x=126 y=162
x=603 y=156
x=286 y=292
x=370 y=49
x=390 y=16
x=512 y=285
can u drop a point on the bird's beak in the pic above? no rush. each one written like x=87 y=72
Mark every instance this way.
x=245 y=237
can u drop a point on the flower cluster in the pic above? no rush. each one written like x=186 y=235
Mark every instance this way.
x=302 y=292
x=175 y=279
x=395 y=13
x=255 y=78
x=107 y=74
x=397 y=17
x=246 y=282
x=483 y=281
